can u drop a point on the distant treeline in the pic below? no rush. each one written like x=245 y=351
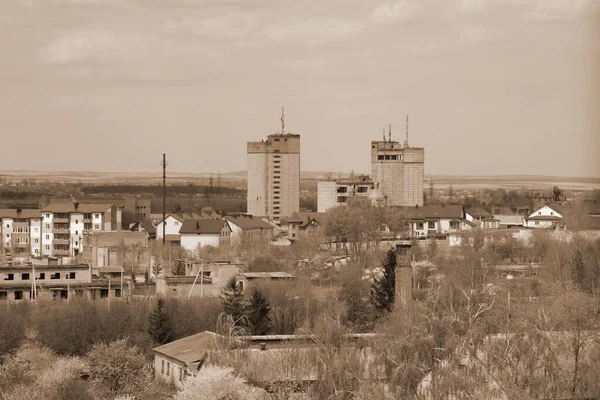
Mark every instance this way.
x=157 y=189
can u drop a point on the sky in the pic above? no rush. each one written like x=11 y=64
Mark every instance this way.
x=492 y=87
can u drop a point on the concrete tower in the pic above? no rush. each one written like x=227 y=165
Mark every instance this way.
x=398 y=170
x=274 y=175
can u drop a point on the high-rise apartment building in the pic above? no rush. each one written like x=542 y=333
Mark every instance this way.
x=398 y=171
x=274 y=176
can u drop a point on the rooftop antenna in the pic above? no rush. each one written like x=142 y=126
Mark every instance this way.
x=406 y=140
x=390 y=132
x=164 y=210
x=383 y=133
x=282 y=121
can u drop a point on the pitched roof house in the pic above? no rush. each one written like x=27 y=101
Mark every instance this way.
x=546 y=217
x=437 y=219
x=304 y=222
x=204 y=232
x=248 y=225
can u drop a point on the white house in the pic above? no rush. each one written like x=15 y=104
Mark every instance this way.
x=546 y=216
x=248 y=226
x=482 y=218
x=437 y=219
x=204 y=232
x=173 y=224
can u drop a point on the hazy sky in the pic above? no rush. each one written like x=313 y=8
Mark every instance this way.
x=491 y=87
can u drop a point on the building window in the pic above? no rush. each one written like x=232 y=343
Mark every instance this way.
x=47 y=247
x=420 y=225
x=380 y=157
x=70 y=275
x=431 y=225
x=117 y=292
x=9 y=277
x=3 y=295
x=162 y=366
x=342 y=199
x=551 y=212
x=42 y=275
x=18 y=295
x=36 y=240
x=36 y=230
x=453 y=225
x=97 y=216
x=24 y=277
x=47 y=226
x=176 y=222
x=47 y=215
x=76 y=221
x=537 y=222
x=96 y=226
x=168 y=367
x=47 y=237
x=55 y=275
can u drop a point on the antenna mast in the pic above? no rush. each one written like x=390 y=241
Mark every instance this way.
x=383 y=133
x=406 y=140
x=282 y=121
x=390 y=132
x=164 y=221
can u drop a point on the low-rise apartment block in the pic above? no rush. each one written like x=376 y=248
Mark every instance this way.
x=20 y=232
x=48 y=282
x=337 y=193
x=63 y=225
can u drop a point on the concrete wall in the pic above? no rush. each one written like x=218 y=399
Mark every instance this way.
x=326 y=196
x=169 y=370
x=192 y=241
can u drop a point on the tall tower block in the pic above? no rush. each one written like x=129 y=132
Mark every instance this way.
x=274 y=175
x=398 y=171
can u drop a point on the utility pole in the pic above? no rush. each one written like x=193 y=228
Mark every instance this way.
x=164 y=223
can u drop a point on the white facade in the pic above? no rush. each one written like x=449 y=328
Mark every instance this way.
x=257 y=184
x=172 y=227
x=544 y=217
x=34 y=236
x=326 y=196
x=76 y=227
x=47 y=235
x=192 y=241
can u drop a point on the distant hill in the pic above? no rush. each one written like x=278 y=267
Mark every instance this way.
x=473 y=182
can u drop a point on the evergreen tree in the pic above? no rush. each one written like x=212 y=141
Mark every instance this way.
x=160 y=329
x=578 y=271
x=383 y=289
x=232 y=299
x=257 y=311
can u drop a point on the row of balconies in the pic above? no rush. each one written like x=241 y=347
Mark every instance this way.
x=67 y=220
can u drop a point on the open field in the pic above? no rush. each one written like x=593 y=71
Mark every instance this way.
x=439 y=181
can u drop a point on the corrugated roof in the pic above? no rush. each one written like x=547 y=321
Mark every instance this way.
x=190 y=349
x=248 y=222
x=202 y=226
x=82 y=208
x=510 y=219
x=25 y=213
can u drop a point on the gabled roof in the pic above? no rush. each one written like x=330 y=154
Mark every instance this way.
x=190 y=349
x=25 y=213
x=559 y=208
x=146 y=224
x=305 y=218
x=478 y=212
x=248 y=222
x=435 y=211
x=82 y=208
x=203 y=226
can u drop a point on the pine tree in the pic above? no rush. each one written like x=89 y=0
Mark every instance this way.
x=383 y=289
x=160 y=329
x=578 y=271
x=232 y=299
x=257 y=311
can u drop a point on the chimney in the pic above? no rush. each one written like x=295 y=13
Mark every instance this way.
x=19 y=211
x=76 y=204
x=443 y=204
x=263 y=346
x=197 y=225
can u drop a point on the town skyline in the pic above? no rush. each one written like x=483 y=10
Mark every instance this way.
x=490 y=89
